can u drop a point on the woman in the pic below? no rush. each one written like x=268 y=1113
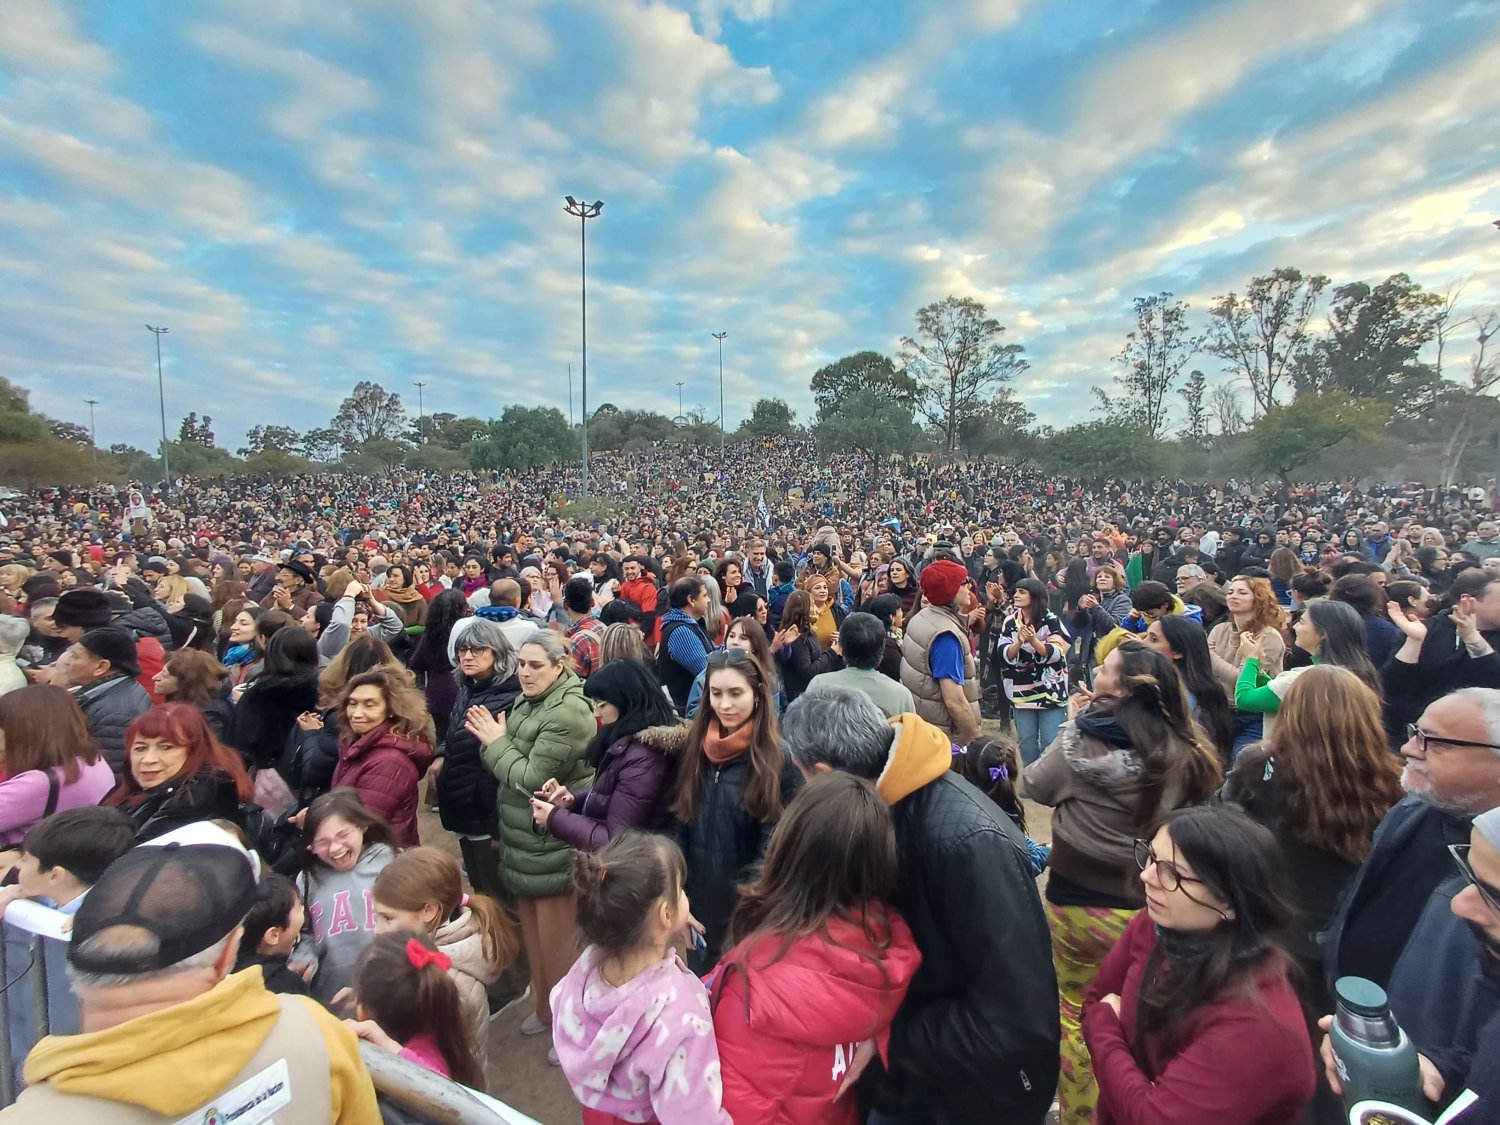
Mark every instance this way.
x=385 y=746
x=178 y=773
x=603 y=570
x=402 y=595
x=797 y=652
x=622 y=640
x=824 y=614
x=903 y=583
x=1253 y=610
x=466 y=789
x=544 y=739
x=1074 y=587
x=48 y=757
x=1432 y=564
x=426 y=584
x=1368 y=598
x=228 y=594
x=731 y=578
x=1414 y=598
x=430 y=663
x=1321 y=781
x=632 y=757
x=242 y=655
x=732 y=784
x=190 y=622
x=267 y=709
x=887 y=607
x=1352 y=545
x=1193 y=1016
x=1034 y=650
x=13 y=634
x=1130 y=754
x=1284 y=566
x=1182 y=641
x=1330 y=633
x=743 y=634
x=197 y=679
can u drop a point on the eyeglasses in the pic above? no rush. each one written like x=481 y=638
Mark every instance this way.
x=728 y=657
x=1423 y=740
x=1170 y=875
x=344 y=838
x=1491 y=895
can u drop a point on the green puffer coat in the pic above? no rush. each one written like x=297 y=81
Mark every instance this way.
x=544 y=737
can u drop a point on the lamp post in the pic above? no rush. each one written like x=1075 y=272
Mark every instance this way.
x=161 y=392
x=679 y=402
x=93 y=436
x=421 y=428
x=719 y=336
x=584 y=212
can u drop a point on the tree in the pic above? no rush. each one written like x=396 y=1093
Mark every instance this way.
x=456 y=433
x=370 y=412
x=36 y=464
x=436 y=458
x=17 y=422
x=637 y=429
x=871 y=423
x=71 y=432
x=272 y=439
x=322 y=444
x=381 y=454
x=524 y=437
x=194 y=432
x=193 y=459
x=1155 y=352
x=1374 y=338
x=1263 y=335
x=1001 y=429
x=862 y=371
x=1103 y=448
x=769 y=417
x=1195 y=408
x=1288 y=436
x=958 y=362
x=1224 y=402
x=274 y=462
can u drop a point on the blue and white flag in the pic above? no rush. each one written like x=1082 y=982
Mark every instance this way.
x=762 y=511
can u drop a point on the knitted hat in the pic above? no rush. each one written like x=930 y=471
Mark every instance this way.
x=941 y=581
x=86 y=608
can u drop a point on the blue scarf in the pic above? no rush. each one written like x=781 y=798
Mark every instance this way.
x=237 y=655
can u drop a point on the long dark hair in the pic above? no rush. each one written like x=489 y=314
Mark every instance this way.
x=1196 y=670
x=1075 y=582
x=636 y=693
x=1035 y=613
x=994 y=768
x=798 y=611
x=447 y=608
x=1239 y=862
x=407 y=1001
x=1153 y=712
x=762 y=793
x=291 y=657
x=1343 y=642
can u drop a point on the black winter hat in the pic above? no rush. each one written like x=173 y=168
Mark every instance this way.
x=115 y=645
x=87 y=608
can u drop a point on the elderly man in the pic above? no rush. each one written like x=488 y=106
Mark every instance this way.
x=101 y=667
x=168 y=1034
x=1486 y=541
x=937 y=660
x=296 y=589
x=976 y=1040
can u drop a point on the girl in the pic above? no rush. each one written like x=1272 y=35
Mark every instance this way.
x=1034 y=648
x=743 y=633
x=821 y=959
x=1329 y=632
x=421 y=890
x=994 y=768
x=1182 y=641
x=732 y=784
x=1193 y=1016
x=408 y=1005
x=345 y=846
x=634 y=1034
x=271 y=931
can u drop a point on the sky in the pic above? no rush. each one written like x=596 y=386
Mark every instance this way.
x=311 y=194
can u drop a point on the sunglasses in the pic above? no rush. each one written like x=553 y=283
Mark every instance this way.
x=1423 y=740
x=1491 y=895
x=728 y=657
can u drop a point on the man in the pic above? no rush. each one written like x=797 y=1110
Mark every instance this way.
x=46 y=643
x=783 y=587
x=584 y=629
x=861 y=642
x=1452 y=773
x=1486 y=543
x=640 y=590
x=168 y=1034
x=1166 y=570
x=262 y=578
x=976 y=1039
x=296 y=590
x=683 y=651
x=1101 y=553
x=1232 y=551
x=1378 y=539
x=1452 y=649
x=758 y=569
x=504 y=608
x=101 y=668
x=1188 y=576
x=937 y=660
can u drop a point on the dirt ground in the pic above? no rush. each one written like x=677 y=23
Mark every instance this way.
x=519 y=1073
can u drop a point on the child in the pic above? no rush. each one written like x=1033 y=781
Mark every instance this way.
x=821 y=960
x=345 y=846
x=631 y=1027
x=993 y=768
x=421 y=890
x=63 y=856
x=271 y=931
x=408 y=1005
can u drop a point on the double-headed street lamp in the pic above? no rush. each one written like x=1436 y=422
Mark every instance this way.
x=421 y=428
x=719 y=336
x=161 y=391
x=584 y=212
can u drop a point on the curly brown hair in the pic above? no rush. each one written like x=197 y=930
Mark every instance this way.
x=406 y=707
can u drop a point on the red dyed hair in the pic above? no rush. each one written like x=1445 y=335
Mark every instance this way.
x=182 y=725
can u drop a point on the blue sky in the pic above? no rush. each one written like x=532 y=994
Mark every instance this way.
x=309 y=194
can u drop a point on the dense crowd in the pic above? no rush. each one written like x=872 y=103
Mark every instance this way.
x=729 y=766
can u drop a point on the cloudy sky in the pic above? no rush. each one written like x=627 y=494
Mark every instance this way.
x=311 y=193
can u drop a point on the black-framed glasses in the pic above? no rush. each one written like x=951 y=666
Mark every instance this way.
x=1491 y=895
x=1423 y=740
x=728 y=657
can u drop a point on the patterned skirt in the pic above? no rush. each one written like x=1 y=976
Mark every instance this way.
x=1081 y=937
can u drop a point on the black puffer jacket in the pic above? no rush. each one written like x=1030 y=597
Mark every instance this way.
x=310 y=758
x=109 y=707
x=210 y=795
x=266 y=714
x=724 y=845
x=147 y=618
x=466 y=788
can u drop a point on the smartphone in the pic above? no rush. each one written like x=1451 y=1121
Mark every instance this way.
x=521 y=789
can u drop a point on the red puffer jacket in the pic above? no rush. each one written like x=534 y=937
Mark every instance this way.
x=385 y=769
x=793 y=1032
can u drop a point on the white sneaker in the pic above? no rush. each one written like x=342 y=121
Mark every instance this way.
x=533 y=1026
x=552 y=1056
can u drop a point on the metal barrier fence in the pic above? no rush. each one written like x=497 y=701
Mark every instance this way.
x=35 y=1001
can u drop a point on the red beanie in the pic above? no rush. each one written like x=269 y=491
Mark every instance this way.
x=941 y=581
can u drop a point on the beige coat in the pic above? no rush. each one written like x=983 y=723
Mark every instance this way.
x=463 y=942
x=1224 y=648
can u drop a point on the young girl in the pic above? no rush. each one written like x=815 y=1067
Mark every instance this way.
x=631 y=1029
x=993 y=767
x=421 y=890
x=271 y=931
x=408 y=1005
x=821 y=964
x=345 y=846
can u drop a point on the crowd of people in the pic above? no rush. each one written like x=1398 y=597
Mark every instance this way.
x=728 y=787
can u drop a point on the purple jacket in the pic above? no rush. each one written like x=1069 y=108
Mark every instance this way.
x=631 y=789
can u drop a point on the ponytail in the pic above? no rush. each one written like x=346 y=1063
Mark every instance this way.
x=619 y=885
x=993 y=768
x=402 y=982
x=497 y=932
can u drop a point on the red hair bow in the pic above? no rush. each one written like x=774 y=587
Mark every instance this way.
x=420 y=956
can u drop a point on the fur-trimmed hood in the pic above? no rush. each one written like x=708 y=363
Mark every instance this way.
x=671 y=739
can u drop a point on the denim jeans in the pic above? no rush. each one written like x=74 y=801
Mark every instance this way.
x=1036 y=728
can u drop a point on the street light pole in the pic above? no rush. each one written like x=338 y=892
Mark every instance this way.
x=679 y=402
x=421 y=418
x=584 y=212
x=719 y=336
x=161 y=392
x=93 y=436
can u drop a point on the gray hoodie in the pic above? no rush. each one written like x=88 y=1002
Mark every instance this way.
x=340 y=918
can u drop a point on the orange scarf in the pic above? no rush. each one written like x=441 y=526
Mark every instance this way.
x=720 y=748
